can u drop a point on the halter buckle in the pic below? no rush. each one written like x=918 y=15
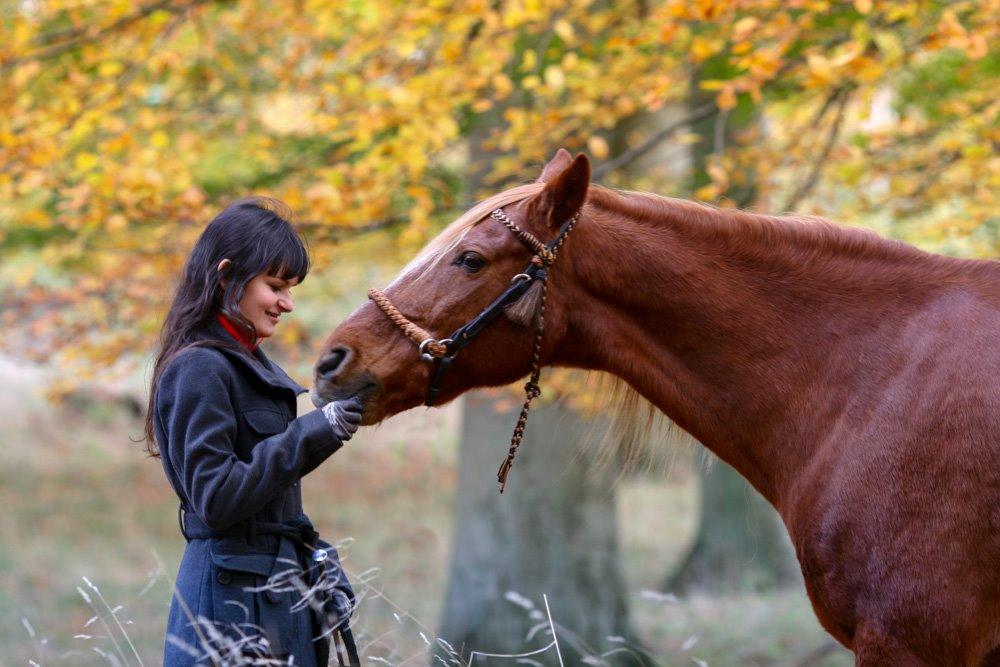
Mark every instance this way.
x=519 y=277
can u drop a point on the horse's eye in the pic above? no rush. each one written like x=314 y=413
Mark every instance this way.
x=471 y=261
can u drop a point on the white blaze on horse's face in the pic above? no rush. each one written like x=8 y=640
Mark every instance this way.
x=452 y=281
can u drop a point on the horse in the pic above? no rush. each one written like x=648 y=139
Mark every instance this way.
x=851 y=379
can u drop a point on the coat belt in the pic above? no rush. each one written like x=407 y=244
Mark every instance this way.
x=301 y=533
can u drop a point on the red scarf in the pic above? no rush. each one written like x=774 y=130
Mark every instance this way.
x=242 y=338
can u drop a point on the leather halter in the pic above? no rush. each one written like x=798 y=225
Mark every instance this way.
x=441 y=353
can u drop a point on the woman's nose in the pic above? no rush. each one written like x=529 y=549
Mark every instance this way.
x=285 y=303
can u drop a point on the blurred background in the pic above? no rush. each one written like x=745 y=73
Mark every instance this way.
x=125 y=125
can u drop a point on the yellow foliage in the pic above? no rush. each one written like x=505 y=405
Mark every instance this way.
x=565 y=30
x=726 y=98
x=554 y=77
x=598 y=147
x=364 y=111
x=86 y=161
x=703 y=49
x=159 y=139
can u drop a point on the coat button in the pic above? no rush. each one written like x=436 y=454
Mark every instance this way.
x=225 y=578
x=320 y=555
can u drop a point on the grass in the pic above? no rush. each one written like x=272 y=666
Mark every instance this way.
x=80 y=500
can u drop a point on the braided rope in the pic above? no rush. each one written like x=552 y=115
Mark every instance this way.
x=412 y=331
x=531 y=392
x=541 y=251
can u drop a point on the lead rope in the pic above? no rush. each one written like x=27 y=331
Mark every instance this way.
x=531 y=391
x=544 y=256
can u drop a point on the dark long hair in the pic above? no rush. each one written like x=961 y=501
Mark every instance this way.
x=255 y=235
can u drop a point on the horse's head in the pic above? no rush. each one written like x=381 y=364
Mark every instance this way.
x=448 y=284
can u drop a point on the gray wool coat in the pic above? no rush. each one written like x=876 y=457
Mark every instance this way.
x=234 y=453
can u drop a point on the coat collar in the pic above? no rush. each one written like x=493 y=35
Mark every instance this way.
x=259 y=365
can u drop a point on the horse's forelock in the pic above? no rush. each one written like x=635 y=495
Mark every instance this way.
x=453 y=234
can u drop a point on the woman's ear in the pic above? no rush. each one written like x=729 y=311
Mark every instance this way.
x=221 y=268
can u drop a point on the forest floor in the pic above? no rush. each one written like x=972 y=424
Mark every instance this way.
x=80 y=500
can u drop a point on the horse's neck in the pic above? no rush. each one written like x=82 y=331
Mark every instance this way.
x=744 y=331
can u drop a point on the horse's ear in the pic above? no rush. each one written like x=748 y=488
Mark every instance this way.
x=564 y=194
x=556 y=165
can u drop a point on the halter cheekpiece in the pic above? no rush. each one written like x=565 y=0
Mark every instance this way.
x=440 y=353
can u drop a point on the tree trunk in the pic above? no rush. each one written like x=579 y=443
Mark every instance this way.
x=741 y=543
x=552 y=532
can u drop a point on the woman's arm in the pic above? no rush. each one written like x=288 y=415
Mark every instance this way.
x=199 y=419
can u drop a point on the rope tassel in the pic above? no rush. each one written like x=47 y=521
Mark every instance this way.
x=532 y=391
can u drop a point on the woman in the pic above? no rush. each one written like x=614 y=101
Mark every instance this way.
x=254 y=581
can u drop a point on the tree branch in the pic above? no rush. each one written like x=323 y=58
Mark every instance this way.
x=86 y=34
x=343 y=233
x=634 y=153
x=130 y=73
x=813 y=177
x=931 y=173
x=817 y=118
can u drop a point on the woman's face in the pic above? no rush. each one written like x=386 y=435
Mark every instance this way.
x=264 y=300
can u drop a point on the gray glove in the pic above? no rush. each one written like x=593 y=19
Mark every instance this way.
x=344 y=417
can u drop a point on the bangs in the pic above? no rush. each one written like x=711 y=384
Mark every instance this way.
x=288 y=256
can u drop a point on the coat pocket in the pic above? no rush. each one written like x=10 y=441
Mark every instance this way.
x=264 y=421
x=245 y=601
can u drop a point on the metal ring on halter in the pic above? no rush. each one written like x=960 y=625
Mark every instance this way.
x=518 y=277
x=426 y=356
x=423 y=350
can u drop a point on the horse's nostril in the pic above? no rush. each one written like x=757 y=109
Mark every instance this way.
x=331 y=363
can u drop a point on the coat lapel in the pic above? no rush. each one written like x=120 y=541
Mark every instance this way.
x=258 y=364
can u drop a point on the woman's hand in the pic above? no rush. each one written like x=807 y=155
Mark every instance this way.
x=344 y=417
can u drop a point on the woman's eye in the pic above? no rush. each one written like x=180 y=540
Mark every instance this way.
x=471 y=261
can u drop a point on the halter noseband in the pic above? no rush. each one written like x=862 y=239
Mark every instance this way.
x=441 y=353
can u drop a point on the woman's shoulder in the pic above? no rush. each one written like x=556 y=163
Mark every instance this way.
x=196 y=363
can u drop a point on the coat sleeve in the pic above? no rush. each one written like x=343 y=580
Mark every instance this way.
x=199 y=423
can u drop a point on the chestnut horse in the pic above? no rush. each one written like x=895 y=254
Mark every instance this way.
x=853 y=380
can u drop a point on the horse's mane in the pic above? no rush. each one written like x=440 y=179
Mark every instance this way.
x=773 y=232
x=638 y=435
